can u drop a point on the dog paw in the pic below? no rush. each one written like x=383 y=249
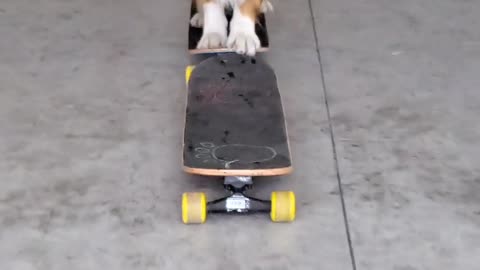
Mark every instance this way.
x=197 y=20
x=266 y=6
x=243 y=42
x=212 y=41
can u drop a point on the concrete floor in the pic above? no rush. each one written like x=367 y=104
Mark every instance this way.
x=91 y=115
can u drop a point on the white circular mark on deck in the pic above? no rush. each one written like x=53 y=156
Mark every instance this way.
x=209 y=152
x=207 y=144
x=202 y=150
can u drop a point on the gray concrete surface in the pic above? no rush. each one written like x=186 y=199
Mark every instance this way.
x=402 y=81
x=91 y=116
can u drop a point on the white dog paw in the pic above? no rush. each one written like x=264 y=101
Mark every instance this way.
x=197 y=20
x=266 y=6
x=212 y=41
x=244 y=42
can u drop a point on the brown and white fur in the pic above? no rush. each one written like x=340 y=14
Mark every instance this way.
x=242 y=38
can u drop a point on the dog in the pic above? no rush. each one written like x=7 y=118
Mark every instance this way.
x=242 y=37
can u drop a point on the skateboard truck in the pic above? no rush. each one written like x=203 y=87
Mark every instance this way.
x=195 y=207
x=238 y=202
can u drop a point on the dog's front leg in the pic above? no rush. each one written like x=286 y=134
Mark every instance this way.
x=214 y=24
x=243 y=38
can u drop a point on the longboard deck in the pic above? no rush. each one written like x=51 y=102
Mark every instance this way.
x=235 y=121
x=195 y=34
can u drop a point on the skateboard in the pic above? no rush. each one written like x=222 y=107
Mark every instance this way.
x=235 y=128
x=195 y=34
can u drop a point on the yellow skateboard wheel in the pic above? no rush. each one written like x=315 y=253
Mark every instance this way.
x=194 y=207
x=188 y=73
x=283 y=206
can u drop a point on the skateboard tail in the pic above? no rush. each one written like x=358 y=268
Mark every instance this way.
x=246 y=172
